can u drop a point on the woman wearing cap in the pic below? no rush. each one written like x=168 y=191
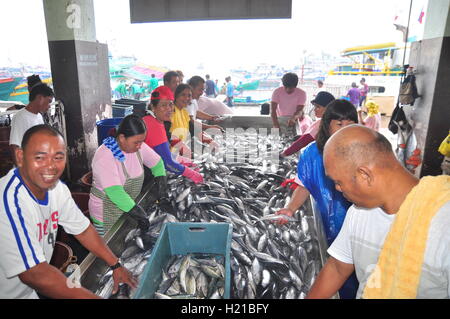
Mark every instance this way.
x=118 y=175
x=320 y=103
x=161 y=104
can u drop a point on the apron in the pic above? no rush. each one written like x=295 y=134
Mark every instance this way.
x=111 y=212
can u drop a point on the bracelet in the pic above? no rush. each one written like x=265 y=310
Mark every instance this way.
x=117 y=265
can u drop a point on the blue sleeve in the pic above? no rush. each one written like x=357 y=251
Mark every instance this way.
x=331 y=203
x=170 y=164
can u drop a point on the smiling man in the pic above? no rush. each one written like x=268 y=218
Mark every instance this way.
x=33 y=204
x=395 y=236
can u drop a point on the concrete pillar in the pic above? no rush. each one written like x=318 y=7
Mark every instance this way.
x=80 y=73
x=431 y=59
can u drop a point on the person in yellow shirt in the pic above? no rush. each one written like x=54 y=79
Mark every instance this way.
x=180 y=119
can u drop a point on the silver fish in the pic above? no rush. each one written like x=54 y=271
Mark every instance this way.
x=183 y=195
x=274 y=217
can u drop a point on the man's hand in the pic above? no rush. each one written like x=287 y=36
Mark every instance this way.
x=284 y=211
x=216 y=119
x=291 y=121
x=122 y=275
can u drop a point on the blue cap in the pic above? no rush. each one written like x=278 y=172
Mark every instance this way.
x=323 y=98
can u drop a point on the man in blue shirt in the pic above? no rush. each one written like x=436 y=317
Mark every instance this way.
x=230 y=90
x=210 y=89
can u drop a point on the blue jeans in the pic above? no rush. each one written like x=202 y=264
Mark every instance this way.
x=349 y=288
x=361 y=100
x=230 y=101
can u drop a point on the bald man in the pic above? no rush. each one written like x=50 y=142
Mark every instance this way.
x=395 y=236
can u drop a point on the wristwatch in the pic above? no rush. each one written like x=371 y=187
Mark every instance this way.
x=117 y=265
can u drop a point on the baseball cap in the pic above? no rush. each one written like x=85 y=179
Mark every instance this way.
x=323 y=98
x=162 y=92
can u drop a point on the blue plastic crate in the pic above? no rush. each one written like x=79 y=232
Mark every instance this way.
x=183 y=239
x=105 y=126
x=121 y=110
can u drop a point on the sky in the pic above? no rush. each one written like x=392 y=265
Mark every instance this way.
x=316 y=26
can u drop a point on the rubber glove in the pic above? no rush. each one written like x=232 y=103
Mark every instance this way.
x=193 y=175
x=138 y=214
x=185 y=161
x=161 y=187
x=291 y=181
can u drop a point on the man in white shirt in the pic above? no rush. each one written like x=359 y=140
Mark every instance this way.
x=34 y=203
x=41 y=96
x=361 y=163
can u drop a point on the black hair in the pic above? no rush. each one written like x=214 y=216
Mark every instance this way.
x=195 y=81
x=290 y=80
x=180 y=88
x=169 y=75
x=32 y=80
x=36 y=129
x=131 y=125
x=337 y=110
x=40 y=89
x=180 y=73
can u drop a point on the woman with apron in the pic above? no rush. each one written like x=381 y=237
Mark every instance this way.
x=118 y=175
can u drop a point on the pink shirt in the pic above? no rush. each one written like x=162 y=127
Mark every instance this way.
x=313 y=129
x=107 y=171
x=304 y=124
x=373 y=122
x=287 y=103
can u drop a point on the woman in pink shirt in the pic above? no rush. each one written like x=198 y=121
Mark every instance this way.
x=373 y=119
x=118 y=175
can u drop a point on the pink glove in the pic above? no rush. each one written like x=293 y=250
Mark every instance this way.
x=185 y=161
x=193 y=175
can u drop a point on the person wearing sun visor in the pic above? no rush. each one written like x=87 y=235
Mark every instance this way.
x=161 y=104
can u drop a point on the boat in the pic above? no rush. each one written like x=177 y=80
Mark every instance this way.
x=20 y=92
x=380 y=64
x=7 y=85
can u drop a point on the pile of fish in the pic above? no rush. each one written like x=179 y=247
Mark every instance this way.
x=267 y=260
x=193 y=277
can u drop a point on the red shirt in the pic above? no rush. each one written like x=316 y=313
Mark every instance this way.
x=156 y=132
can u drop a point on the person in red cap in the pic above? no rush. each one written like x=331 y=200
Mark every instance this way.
x=161 y=104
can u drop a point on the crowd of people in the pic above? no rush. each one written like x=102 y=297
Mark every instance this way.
x=386 y=229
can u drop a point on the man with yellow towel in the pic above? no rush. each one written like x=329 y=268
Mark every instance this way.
x=396 y=235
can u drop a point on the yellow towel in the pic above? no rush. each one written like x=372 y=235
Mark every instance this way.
x=180 y=123
x=399 y=266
